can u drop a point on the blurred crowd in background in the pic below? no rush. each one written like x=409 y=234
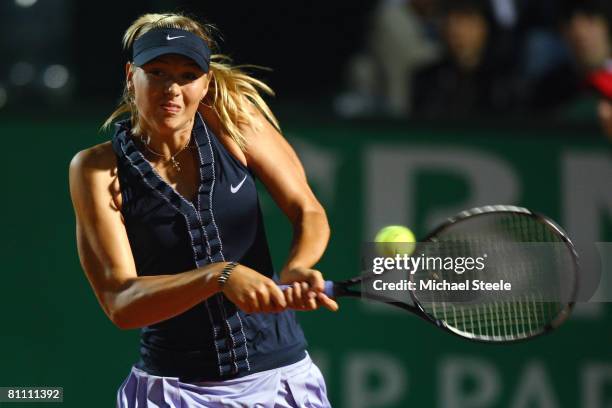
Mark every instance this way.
x=430 y=59
x=477 y=58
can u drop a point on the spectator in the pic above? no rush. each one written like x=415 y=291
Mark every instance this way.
x=540 y=47
x=402 y=39
x=586 y=30
x=601 y=81
x=467 y=81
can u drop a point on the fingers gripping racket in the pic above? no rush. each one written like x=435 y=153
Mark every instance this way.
x=511 y=318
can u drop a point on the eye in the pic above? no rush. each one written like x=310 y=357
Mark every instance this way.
x=155 y=72
x=190 y=76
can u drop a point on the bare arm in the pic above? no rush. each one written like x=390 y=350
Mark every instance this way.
x=277 y=165
x=128 y=300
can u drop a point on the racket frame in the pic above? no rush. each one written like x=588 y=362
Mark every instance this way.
x=343 y=288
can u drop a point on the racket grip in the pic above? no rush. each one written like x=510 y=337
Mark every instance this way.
x=328 y=289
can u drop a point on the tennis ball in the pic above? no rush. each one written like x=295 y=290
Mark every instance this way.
x=395 y=239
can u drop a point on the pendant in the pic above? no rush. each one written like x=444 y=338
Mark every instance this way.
x=175 y=164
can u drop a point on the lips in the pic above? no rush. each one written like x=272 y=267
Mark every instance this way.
x=170 y=107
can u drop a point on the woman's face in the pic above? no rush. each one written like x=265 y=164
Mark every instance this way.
x=167 y=92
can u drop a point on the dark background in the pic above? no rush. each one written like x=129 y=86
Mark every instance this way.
x=304 y=43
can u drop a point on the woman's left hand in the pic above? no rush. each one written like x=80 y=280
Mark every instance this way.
x=306 y=290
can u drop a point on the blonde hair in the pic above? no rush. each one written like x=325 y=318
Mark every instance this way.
x=231 y=91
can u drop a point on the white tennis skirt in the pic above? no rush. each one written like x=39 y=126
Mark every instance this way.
x=297 y=385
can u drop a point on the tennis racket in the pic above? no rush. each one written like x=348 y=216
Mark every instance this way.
x=511 y=233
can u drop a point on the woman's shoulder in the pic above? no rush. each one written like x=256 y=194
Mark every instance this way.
x=94 y=165
x=98 y=157
x=93 y=172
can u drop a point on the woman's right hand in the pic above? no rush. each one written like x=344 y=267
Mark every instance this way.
x=253 y=292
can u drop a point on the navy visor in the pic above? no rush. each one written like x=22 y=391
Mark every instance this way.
x=161 y=41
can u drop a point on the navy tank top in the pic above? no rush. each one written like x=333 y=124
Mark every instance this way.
x=168 y=234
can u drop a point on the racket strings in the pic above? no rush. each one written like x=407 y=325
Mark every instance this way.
x=492 y=318
x=499 y=320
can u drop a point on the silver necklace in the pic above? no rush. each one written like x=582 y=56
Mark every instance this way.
x=172 y=158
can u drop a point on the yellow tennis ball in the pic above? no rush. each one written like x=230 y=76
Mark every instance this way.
x=395 y=239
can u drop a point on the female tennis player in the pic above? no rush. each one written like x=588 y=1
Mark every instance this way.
x=170 y=232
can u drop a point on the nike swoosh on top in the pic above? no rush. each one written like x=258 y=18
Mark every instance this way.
x=173 y=38
x=233 y=189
